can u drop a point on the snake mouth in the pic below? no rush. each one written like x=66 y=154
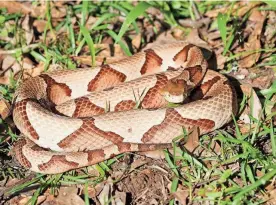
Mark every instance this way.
x=174 y=98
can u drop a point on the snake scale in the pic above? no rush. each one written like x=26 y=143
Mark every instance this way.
x=75 y=118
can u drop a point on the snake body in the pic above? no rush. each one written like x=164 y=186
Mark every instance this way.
x=63 y=115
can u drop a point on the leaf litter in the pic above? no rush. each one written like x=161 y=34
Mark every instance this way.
x=45 y=36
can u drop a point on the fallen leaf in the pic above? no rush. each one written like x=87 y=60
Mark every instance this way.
x=254 y=41
x=254 y=102
x=105 y=194
x=194 y=38
x=16 y=7
x=247 y=6
x=7 y=62
x=155 y=154
x=194 y=24
x=28 y=29
x=120 y=198
x=5 y=109
x=40 y=25
x=25 y=200
x=94 y=191
x=136 y=41
x=253 y=108
x=181 y=196
x=66 y=196
x=270 y=28
x=271 y=199
x=163 y=38
x=240 y=8
x=40 y=11
x=193 y=139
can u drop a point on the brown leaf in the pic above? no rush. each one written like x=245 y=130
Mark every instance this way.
x=194 y=38
x=247 y=6
x=254 y=103
x=214 y=13
x=94 y=191
x=163 y=38
x=178 y=33
x=16 y=7
x=136 y=41
x=29 y=33
x=254 y=41
x=5 y=109
x=194 y=24
x=7 y=62
x=156 y=154
x=253 y=108
x=25 y=199
x=40 y=25
x=271 y=200
x=216 y=147
x=66 y=196
x=193 y=139
x=241 y=8
x=105 y=194
x=56 y=12
x=181 y=194
x=270 y=28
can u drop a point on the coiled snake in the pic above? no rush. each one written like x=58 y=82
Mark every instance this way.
x=63 y=115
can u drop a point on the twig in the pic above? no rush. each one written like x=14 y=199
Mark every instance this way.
x=23 y=50
x=6 y=192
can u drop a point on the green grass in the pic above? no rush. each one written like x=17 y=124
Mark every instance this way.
x=226 y=178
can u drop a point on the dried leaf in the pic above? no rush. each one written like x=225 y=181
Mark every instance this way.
x=105 y=194
x=194 y=24
x=16 y=7
x=8 y=61
x=94 y=191
x=254 y=41
x=120 y=198
x=241 y=8
x=66 y=196
x=5 y=109
x=194 y=38
x=136 y=41
x=40 y=25
x=29 y=33
x=181 y=196
x=25 y=199
x=193 y=139
x=272 y=197
x=253 y=108
x=156 y=154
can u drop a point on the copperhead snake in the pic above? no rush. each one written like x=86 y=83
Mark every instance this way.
x=63 y=115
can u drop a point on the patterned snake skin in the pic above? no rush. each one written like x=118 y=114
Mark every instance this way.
x=71 y=119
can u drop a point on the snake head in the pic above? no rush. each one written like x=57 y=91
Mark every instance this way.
x=176 y=90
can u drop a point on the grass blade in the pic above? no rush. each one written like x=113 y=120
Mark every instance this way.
x=84 y=11
x=133 y=14
x=261 y=181
x=71 y=31
x=89 y=42
x=273 y=139
x=102 y=19
x=123 y=46
x=222 y=26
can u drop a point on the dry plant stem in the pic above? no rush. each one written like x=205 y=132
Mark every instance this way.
x=23 y=50
x=6 y=191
